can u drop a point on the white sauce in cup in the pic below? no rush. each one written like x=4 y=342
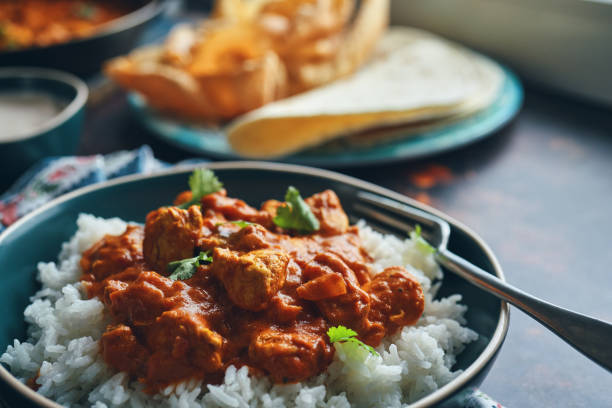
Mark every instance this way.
x=22 y=112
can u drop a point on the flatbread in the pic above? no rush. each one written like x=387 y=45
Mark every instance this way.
x=176 y=92
x=251 y=53
x=386 y=134
x=414 y=76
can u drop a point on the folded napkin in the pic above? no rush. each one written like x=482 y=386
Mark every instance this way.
x=55 y=176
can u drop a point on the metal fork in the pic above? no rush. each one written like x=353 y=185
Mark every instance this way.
x=592 y=337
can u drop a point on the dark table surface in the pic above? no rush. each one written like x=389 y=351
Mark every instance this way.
x=539 y=192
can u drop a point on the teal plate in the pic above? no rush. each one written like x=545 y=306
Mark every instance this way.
x=211 y=142
x=38 y=237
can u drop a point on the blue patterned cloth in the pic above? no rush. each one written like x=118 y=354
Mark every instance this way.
x=55 y=176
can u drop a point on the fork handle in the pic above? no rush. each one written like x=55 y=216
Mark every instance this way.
x=592 y=337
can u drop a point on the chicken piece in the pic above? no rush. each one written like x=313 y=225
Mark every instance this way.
x=235 y=209
x=335 y=288
x=122 y=351
x=286 y=307
x=324 y=287
x=220 y=240
x=183 y=347
x=115 y=281
x=171 y=234
x=350 y=308
x=290 y=355
x=140 y=302
x=113 y=253
x=348 y=247
x=271 y=207
x=251 y=237
x=185 y=336
x=397 y=299
x=328 y=210
x=251 y=279
x=183 y=197
x=112 y=286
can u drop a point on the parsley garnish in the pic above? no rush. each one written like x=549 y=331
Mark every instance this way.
x=240 y=223
x=296 y=214
x=420 y=242
x=185 y=268
x=343 y=334
x=201 y=182
x=86 y=11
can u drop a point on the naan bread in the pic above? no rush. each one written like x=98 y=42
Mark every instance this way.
x=413 y=77
x=250 y=53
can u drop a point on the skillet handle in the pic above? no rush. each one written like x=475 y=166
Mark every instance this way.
x=590 y=336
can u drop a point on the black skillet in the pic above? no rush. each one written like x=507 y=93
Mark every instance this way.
x=85 y=56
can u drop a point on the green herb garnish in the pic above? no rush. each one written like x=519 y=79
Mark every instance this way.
x=86 y=11
x=185 y=268
x=420 y=242
x=201 y=182
x=343 y=334
x=240 y=223
x=296 y=214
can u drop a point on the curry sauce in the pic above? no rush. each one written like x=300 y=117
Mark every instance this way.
x=266 y=300
x=40 y=23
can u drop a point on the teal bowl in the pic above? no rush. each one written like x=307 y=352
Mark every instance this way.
x=38 y=237
x=59 y=135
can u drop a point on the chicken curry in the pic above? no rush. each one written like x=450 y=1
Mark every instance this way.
x=39 y=23
x=218 y=283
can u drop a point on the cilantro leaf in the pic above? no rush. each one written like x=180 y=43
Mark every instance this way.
x=340 y=333
x=201 y=182
x=242 y=223
x=420 y=242
x=296 y=214
x=86 y=11
x=343 y=334
x=185 y=268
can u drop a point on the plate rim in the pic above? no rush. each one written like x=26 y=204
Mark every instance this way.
x=441 y=394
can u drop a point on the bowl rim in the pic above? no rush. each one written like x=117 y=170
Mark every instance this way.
x=73 y=107
x=148 y=10
x=435 y=397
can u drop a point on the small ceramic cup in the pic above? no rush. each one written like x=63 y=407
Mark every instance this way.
x=59 y=135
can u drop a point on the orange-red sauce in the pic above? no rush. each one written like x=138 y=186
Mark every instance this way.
x=29 y=23
x=266 y=300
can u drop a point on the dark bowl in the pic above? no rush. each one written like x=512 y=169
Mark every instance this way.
x=38 y=237
x=59 y=135
x=84 y=56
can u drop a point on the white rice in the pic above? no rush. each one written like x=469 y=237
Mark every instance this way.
x=64 y=328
